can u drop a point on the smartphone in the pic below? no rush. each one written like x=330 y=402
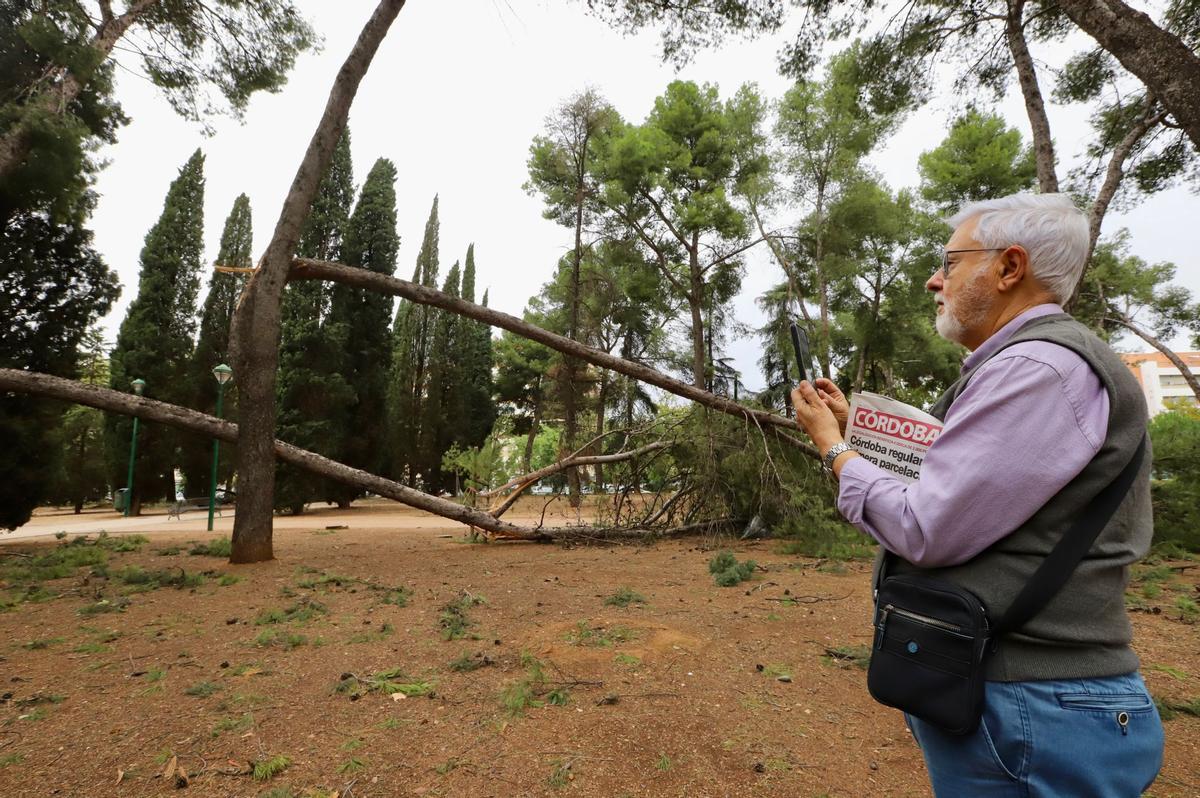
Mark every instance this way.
x=803 y=355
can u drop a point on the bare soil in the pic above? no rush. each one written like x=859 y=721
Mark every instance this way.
x=678 y=696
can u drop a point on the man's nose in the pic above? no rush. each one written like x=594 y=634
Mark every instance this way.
x=935 y=283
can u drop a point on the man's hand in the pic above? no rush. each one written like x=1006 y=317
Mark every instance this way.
x=816 y=417
x=833 y=398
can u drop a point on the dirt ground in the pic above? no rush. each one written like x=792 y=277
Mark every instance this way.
x=335 y=656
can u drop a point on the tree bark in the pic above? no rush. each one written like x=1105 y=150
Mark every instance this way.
x=695 y=298
x=308 y=269
x=1043 y=144
x=1175 y=359
x=16 y=142
x=255 y=332
x=1158 y=58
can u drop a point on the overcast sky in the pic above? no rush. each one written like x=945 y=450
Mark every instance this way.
x=454 y=97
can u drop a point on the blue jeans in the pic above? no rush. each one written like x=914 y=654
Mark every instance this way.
x=1100 y=738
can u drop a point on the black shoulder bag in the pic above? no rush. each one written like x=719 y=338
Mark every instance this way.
x=933 y=639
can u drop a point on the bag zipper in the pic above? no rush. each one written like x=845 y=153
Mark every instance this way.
x=913 y=616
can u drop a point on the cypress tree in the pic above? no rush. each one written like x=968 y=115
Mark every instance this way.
x=411 y=343
x=155 y=339
x=442 y=409
x=212 y=348
x=475 y=351
x=308 y=388
x=357 y=326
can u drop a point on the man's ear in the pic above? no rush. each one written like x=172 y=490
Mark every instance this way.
x=1014 y=269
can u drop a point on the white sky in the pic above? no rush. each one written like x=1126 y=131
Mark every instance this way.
x=454 y=98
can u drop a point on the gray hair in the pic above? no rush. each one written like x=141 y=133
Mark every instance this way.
x=1048 y=226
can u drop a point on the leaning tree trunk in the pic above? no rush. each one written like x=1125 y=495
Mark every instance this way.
x=1170 y=355
x=308 y=269
x=255 y=333
x=1155 y=56
x=54 y=100
x=1043 y=144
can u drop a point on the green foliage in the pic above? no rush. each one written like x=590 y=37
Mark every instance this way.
x=1175 y=439
x=858 y=656
x=202 y=689
x=352 y=765
x=980 y=158
x=41 y=643
x=154 y=343
x=217 y=547
x=584 y=634
x=357 y=329
x=274 y=638
x=624 y=597
x=241 y=724
x=309 y=390
x=141 y=580
x=453 y=618
x=212 y=348
x=1171 y=708
x=386 y=682
x=727 y=571
x=524 y=693
x=301 y=612
x=467 y=663
x=269 y=768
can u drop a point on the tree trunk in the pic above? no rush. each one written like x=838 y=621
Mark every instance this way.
x=600 y=428
x=53 y=100
x=308 y=269
x=1043 y=144
x=533 y=432
x=255 y=333
x=695 y=298
x=1175 y=359
x=1158 y=58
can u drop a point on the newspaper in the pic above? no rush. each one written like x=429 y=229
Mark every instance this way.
x=891 y=434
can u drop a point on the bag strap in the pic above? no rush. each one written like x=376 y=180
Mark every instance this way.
x=1061 y=562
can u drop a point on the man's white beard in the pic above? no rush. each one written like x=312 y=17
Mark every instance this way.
x=968 y=310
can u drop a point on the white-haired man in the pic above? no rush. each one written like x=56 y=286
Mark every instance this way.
x=1043 y=417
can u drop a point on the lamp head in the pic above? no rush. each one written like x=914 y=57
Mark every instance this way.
x=223 y=373
x=139 y=385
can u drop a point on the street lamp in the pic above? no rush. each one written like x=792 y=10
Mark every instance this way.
x=223 y=374
x=139 y=385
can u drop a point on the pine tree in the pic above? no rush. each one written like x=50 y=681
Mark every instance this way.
x=411 y=343
x=357 y=326
x=308 y=389
x=155 y=340
x=212 y=348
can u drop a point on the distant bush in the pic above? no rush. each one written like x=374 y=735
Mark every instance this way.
x=1175 y=436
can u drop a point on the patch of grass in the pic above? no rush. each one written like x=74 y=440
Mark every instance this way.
x=449 y=765
x=279 y=792
x=265 y=769
x=1171 y=708
x=627 y=659
x=353 y=744
x=141 y=580
x=324 y=580
x=727 y=571
x=391 y=724
x=41 y=643
x=561 y=775
x=1174 y=673
x=202 y=689
x=352 y=765
x=624 y=597
x=467 y=663
x=454 y=620
x=776 y=670
x=397 y=596
x=1151 y=590
x=250 y=669
x=842 y=656
x=35 y=714
x=123 y=543
x=232 y=724
x=301 y=612
x=104 y=606
x=599 y=636
x=91 y=648
x=382 y=633
x=217 y=547
x=269 y=638
x=1189 y=611
x=525 y=693
x=169 y=551
x=58 y=563
x=387 y=682
x=11 y=759
x=228 y=579
x=33 y=594
x=834 y=567
x=558 y=697
x=664 y=763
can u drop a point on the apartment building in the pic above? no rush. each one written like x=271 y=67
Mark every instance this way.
x=1161 y=382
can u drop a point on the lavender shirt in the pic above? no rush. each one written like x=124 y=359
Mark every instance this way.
x=1027 y=423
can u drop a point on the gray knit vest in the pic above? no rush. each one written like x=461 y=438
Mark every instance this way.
x=1084 y=631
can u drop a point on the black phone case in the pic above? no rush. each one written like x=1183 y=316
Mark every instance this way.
x=800 y=347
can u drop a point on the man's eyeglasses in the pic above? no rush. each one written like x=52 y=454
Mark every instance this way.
x=947 y=253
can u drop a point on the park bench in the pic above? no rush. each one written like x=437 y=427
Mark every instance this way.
x=181 y=506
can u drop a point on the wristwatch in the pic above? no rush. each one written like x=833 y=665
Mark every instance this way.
x=832 y=454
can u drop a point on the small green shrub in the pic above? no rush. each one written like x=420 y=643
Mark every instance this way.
x=624 y=597
x=454 y=620
x=727 y=571
x=217 y=547
x=265 y=769
x=202 y=689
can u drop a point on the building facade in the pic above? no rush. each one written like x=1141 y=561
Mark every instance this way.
x=1162 y=383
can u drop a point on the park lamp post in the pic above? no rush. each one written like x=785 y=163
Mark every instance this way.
x=223 y=374
x=139 y=386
